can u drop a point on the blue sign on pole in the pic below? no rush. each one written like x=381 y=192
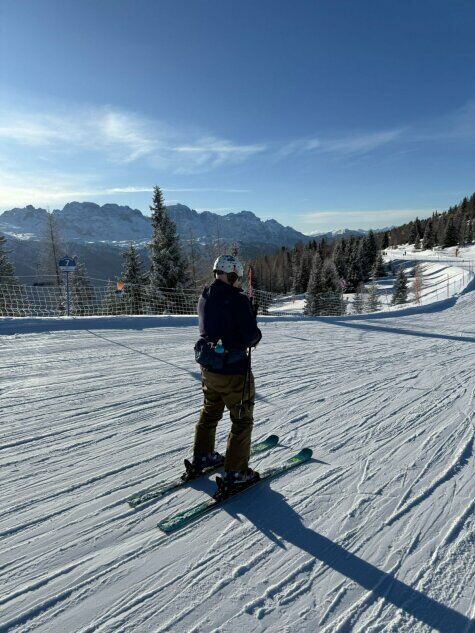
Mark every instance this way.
x=67 y=265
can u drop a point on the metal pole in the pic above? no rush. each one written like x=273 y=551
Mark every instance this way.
x=67 y=293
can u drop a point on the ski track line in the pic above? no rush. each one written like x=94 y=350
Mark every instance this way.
x=449 y=442
x=346 y=622
x=449 y=538
x=36 y=610
x=220 y=585
x=74 y=487
x=460 y=461
x=132 y=606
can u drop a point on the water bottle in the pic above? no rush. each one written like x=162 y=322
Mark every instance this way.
x=218 y=348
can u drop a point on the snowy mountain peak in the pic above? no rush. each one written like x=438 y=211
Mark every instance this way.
x=246 y=214
x=330 y=235
x=90 y=222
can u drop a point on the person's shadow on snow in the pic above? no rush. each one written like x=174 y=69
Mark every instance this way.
x=273 y=516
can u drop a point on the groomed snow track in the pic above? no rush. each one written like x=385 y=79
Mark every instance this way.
x=376 y=534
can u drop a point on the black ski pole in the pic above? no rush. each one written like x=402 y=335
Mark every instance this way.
x=247 y=374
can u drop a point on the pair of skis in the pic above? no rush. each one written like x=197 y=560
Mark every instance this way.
x=162 y=489
x=181 y=519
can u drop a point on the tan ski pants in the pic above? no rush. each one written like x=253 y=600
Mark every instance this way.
x=226 y=391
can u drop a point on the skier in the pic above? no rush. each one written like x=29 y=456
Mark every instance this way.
x=228 y=326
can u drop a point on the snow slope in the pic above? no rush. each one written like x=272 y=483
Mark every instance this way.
x=375 y=535
x=460 y=254
x=439 y=281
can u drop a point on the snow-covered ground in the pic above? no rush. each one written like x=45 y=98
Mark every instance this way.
x=376 y=534
x=456 y=254
x=439 y=280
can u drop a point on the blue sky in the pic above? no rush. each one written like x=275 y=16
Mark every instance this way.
x=322 y=114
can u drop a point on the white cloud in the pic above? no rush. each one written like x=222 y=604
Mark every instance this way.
x=343 y=145
x=458 y=125
x=205 y=190
x=216 y=152
x=121 y=137
x=113 y=190
x=45 y=188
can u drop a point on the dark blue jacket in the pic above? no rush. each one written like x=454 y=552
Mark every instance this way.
x=226 y=313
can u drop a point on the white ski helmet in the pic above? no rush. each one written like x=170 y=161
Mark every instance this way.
x=228 y=264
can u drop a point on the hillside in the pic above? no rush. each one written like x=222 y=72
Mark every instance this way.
x=375 y=535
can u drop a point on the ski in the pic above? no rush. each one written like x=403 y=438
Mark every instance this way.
x=181 y=519
x=163 y=488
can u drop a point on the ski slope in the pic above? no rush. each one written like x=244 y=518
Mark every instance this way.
x=442 y=276
x=376 y=534
x=463 y=256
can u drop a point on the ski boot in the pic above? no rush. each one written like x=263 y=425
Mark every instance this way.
x=200 y=464
x=234 y=481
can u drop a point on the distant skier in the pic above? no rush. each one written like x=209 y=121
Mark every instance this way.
x=228 y=328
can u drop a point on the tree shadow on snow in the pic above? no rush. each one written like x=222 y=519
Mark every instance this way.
x=389 y=330
x=399 y=330
x=277 y=520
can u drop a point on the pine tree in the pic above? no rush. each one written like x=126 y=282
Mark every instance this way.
x=439 y=230
x=462 y=231
x=372 y=299
x=400 y=288
x=134 y=282
x=296 y=261
x=355 y=273
x=322 y=248
x=303 y=276
x=450 y=234
x=368 y=251
x=385 y=242
x=469 y=232
x=379 y=269
x=339 y=257
x=324 y=294
x=334 y=304
x=418 y=225
x=330 y=278
x=168 y=267
x=315 y=288
x=7 y=275
x=428 y=240
x=11 y=294
x=417 y=243
x=82 y=293
x=415 y=231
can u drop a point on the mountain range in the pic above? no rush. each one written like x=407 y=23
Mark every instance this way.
x=87 y=221
x=98 y=234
